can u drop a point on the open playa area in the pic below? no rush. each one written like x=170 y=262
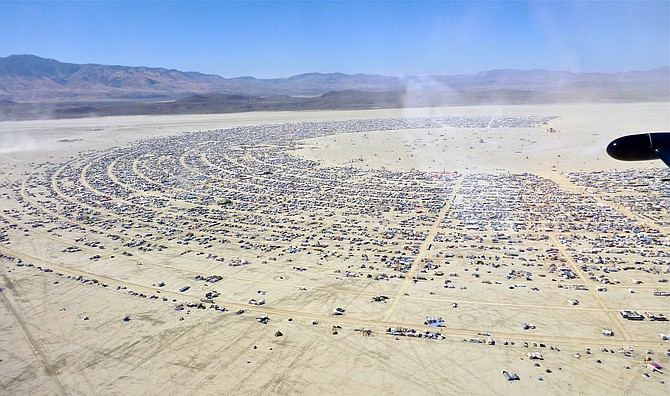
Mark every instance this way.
x=484 y=250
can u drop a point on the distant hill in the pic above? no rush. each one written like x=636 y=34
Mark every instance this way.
x=28 y=78
x=34 y=87
x=34 y=79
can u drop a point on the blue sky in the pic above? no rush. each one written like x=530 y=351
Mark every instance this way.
x=281 y=39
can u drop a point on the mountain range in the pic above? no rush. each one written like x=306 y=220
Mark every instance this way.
x=34 y=87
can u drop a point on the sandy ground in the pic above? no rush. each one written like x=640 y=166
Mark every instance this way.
x=62 y=330
x=582 y=133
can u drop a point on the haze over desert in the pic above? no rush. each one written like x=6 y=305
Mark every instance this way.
x=404 y=251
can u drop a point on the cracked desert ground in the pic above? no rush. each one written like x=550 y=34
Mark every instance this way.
x=207 y=254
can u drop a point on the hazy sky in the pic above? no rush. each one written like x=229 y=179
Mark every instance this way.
x=281 y=39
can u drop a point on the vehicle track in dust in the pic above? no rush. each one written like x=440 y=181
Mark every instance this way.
x=37 y=346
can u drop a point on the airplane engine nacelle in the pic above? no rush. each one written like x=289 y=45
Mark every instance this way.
x=641 y=147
